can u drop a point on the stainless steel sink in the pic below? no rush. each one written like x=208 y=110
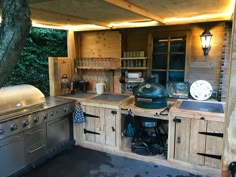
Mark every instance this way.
x=110 y=97
x=202 y=106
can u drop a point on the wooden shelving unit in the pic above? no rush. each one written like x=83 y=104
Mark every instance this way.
x=97 y=68
x=134 y=63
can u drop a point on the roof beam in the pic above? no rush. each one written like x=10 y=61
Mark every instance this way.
x=41 y=15
x=135 y=9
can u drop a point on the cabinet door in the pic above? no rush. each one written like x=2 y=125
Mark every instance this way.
x=214 y=144
x=182 y=138
x=188 y=142
x=100 y=129
x=197 y=141
x=92 y=126
x=110 y=126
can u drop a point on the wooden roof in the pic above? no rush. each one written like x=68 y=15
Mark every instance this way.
x=115 y=13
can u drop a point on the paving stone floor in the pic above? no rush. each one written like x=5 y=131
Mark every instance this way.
x=81 y=162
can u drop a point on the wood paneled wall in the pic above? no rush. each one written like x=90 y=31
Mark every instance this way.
x=206 y=67
x=101 y=44
x=225 y=63
x=135 y=40
x=230 y=121
x=198 y=66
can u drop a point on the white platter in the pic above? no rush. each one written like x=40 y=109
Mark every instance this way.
x=201 y=90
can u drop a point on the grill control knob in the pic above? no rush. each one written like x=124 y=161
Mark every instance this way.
x=13 y=127
x=25 y=123
x=36 y=119
x=52 y=113
x=66 y=109
x=1 y=131
x=45 y=116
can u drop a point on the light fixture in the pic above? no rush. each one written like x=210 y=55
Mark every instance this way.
x=206 y=41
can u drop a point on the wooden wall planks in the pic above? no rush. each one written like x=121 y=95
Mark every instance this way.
x=101 y=44
x=58 y=66
x=230 y=115
x=198 y=66
x=225 y=63
x=206 y=67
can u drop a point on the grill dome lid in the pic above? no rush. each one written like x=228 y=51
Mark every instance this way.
x=151 y=90
x=19 y=96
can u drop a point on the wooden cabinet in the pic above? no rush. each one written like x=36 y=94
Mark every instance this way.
x=198 y=141
x=100 y=125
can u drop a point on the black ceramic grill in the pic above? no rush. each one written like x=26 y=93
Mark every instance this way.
x=151 y=96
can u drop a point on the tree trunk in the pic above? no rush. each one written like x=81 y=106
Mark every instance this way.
x=14 y=30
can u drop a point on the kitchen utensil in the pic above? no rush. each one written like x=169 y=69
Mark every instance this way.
x=65 y=85
x=100 y=88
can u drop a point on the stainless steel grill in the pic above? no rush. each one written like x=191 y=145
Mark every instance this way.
x=26 y=131
x=19 y=97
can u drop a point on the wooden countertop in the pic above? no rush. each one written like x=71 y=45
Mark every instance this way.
x=127 y=104
x=107 y=104
x=151 y=113
x=100 y=103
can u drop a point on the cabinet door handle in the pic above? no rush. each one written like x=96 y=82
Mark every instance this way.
x=38 y=148
x=178 y=139
x=113 y=129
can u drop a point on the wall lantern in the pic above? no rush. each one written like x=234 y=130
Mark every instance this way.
x=206 y=41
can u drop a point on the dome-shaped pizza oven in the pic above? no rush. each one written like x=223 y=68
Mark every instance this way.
x=151 y=96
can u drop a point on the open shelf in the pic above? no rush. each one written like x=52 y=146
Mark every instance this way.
x=134 y=58
x=135 y=68
x=97 y=68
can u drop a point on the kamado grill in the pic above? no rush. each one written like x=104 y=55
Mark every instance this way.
x=151 y=96
x=31 y=126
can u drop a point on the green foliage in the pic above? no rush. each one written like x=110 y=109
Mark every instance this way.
x=32 y=67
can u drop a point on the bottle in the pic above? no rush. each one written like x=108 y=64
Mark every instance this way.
x=75 y=82
x=126 y=75
x=122 y=77
x=65 y=84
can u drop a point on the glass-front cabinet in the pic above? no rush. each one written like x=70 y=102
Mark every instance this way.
x=168 y=58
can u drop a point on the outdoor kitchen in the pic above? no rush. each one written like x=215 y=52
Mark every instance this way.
x=162 y=94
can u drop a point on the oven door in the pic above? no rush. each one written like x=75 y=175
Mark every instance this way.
x=12 y=154
x=59 y=132
x=35 y=143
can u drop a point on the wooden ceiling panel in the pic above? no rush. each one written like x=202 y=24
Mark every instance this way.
x=111 y=13
x=183 y=8
x=93 y=9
